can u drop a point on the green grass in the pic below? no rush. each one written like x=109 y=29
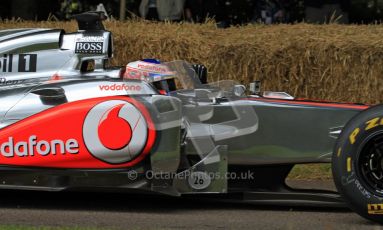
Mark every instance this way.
x=311 y=172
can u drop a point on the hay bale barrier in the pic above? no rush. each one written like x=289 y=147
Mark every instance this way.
x=330 y=62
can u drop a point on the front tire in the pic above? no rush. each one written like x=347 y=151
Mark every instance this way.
x=357 y=164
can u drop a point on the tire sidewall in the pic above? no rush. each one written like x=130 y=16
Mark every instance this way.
x=347 y=176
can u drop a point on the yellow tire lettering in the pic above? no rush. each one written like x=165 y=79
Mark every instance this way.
x=349 y=168
x=339 y=152
x=353 y=135
x=375 y=209
x=372 y=123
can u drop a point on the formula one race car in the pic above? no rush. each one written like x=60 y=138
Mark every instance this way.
x=68 y=122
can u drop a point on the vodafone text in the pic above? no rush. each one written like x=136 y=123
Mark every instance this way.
x=117 y=87
x=41 y=147
x=154 y=68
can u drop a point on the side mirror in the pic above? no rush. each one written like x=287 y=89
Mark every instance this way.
x=201 y=72
x=202 y=94
x=51 y=95
x=255 y=87
x=239 y=90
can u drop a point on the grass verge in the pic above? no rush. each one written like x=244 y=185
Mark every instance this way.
x=311 y=172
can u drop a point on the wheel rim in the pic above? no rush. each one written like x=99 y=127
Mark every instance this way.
x=370 y=163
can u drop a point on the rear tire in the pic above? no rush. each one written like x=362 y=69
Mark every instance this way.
x=357 y=164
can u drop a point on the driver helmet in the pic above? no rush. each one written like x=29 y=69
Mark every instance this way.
x=153 y=72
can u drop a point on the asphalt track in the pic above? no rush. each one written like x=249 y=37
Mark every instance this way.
x=127 y=211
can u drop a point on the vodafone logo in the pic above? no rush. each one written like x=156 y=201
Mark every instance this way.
x=132 y=74
x=116 y=132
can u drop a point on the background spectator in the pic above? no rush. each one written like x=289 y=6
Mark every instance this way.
x=271 y=11
x=199 y=10
x=237 y=12
x=363 y=11
x=170 y=10
x=323 y=11
x=148 y=10
x=69 y=8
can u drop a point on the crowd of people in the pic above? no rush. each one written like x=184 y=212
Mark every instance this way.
x=229 y=12
x=224 y=12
